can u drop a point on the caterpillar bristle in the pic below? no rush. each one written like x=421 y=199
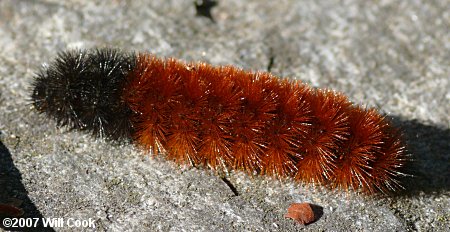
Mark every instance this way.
x=81 y=90
x=223 y=117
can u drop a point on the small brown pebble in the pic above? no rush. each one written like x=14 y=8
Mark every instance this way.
x=301 y=212
x=10 y=210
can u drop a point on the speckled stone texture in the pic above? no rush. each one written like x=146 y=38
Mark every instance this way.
x=392 y=55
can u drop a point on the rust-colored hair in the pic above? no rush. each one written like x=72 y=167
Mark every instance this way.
x=224 y=117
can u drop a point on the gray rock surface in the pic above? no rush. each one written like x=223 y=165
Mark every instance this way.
x=393 y=55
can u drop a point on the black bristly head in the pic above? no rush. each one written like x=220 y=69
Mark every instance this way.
x=82 y=90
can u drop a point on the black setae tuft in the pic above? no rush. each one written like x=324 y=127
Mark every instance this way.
x=82 y=89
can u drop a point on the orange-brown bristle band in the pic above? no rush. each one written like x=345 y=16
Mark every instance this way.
x=226 y=117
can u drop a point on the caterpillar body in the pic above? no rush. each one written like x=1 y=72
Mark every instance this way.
x=222 y=117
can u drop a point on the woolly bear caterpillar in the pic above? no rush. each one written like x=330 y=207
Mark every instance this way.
x=223 y=117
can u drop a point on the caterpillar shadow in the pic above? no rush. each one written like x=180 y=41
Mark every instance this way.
x=430 y=153
x=12 y=188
